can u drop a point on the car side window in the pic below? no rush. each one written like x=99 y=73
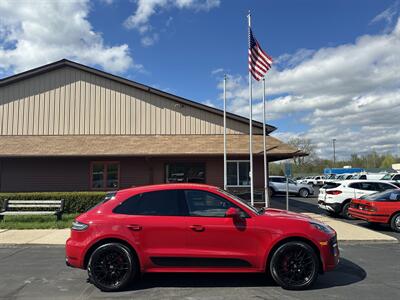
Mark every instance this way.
x=396 y=177
x=367 y=186
x=384 y=186
x=157 y=203
x=206 y=204
x=355 y=185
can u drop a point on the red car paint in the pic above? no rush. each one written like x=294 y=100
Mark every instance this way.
x=380 y=211
x=249 y=240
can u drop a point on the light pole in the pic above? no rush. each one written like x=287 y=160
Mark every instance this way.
x=334 y=151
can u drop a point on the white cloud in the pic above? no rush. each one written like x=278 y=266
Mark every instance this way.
x=350 y=92
x=140 y=19
x=389 y=16
x=38 y=32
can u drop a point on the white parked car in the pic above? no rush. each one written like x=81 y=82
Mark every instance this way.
x=391 y=176
x=277 y=184
x=313 y=180
x=335 y=197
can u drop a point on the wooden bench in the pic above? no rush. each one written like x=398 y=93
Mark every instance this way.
x=32 y=207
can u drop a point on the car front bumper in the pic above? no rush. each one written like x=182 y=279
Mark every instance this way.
x=330 y=254
x=331 y=207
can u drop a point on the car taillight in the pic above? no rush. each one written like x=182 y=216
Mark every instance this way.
x=336 y=192
x=367 y=208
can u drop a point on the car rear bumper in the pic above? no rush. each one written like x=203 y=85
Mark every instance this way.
x=74 y=253
x=369 y=216
x=332 y=207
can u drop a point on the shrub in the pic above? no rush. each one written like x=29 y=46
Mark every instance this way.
x=75 y=202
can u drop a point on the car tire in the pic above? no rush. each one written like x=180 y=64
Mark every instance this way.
x=395 y=222
x=294 y=265
x=345 y=212
x=112 y=267
x=304 y=193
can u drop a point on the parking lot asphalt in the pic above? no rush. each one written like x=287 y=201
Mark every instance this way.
x=367 y=271
x=298 y=204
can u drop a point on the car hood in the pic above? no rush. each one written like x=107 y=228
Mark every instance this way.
x=284 y=214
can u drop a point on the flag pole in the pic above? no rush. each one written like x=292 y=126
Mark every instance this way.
x=225 y=178
x=250 y=127
x=265 y=151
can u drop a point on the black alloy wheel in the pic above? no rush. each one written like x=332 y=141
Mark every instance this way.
x=294 y=266
x=111 y=267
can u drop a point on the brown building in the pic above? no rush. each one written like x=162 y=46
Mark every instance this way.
x=69 y=127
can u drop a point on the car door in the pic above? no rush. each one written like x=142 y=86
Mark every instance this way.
x=218 y=241
x=156 y=225
x=280 y=183
x=293 y=188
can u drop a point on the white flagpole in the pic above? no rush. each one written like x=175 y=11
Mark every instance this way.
x=225 y=171
x=265 y=151
x=251 y=129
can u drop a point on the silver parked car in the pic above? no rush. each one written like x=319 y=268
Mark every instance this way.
x=277 y=184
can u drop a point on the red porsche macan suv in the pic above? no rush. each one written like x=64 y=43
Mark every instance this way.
x=196 y=228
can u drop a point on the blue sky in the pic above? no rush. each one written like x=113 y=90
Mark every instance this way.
x=185 y=46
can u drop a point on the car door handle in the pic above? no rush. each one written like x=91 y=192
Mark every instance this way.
x=135 y=227
x=197 y=228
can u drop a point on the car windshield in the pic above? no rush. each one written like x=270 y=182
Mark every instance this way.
x=387 y=177
x=244 y=202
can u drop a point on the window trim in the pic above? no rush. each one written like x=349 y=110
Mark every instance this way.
x=105 y=163
x=237 y=161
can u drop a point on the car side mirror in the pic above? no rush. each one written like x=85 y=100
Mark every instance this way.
x=233 y=213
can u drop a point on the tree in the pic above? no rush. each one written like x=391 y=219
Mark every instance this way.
x=388 y=161
x=304 y=145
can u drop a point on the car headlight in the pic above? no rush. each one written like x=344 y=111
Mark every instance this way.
x=79 y=226
x=322 y=227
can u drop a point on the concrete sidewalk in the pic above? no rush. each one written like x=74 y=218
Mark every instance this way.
x=345 y=231
x=348 y=232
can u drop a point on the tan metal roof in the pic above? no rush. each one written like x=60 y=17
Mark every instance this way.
x=140 y=145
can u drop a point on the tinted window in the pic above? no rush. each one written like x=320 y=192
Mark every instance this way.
x=355 y=185
x=330 y=185
x=363 y=177
x=278 y=179
x=367 y=186
x=159 y=203
x=205 y=204
x=393 y=195
x=396 y=177
x=185 y=172
x=384 y=186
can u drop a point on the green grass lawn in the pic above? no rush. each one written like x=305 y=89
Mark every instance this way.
x=36 y=222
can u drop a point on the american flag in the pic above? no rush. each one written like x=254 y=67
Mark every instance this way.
x=259 y=61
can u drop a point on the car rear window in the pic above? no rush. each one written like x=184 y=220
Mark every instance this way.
x=331 y=185
x=108 y=196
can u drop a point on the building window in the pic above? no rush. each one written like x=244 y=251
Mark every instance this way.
x=104 y=175
x=185 y=172
x=238 y=173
